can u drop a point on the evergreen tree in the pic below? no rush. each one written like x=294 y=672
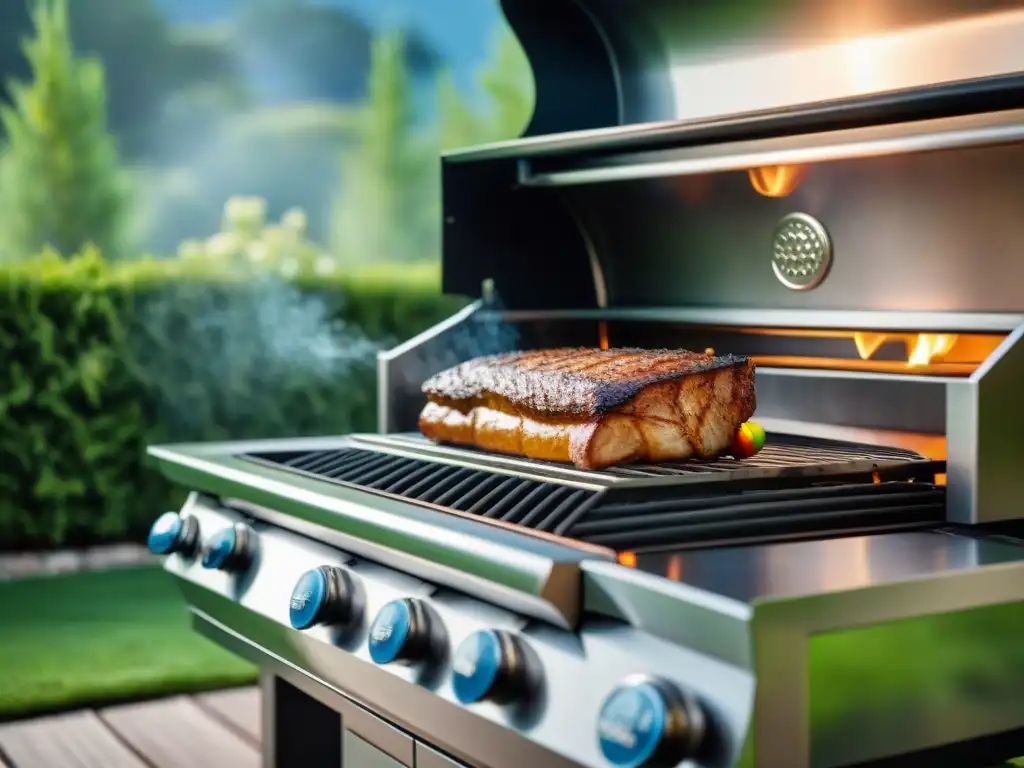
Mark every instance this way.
x=460 y=125
x=507 y=83
x=386 y=209
x=61 y=184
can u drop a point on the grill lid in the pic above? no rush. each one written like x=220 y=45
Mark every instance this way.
x=599 y=63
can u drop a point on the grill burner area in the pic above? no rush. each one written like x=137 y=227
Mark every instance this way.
x=794 y=488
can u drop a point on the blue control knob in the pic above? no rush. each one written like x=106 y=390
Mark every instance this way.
x=490 y=665
x=401 y=633
x=230 y=549
x=173 y=533
x=646 y=723
x=325 y=595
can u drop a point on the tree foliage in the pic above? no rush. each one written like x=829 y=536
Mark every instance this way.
x=61 y=185
x=507 y=83
x=388 y=177
x=145 y=60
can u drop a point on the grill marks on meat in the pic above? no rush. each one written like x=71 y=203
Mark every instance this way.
x=594 y=408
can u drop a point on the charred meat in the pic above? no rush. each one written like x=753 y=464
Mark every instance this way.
x=594 y=408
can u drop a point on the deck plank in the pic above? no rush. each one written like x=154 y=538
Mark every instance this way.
x=78 y=739
x=239 y=707
x=177 y=733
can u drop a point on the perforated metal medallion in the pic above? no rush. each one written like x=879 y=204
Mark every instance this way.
x=801 y=252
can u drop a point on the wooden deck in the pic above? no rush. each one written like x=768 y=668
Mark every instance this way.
x=212 y=730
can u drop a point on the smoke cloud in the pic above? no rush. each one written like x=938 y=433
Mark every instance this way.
x=257 y=361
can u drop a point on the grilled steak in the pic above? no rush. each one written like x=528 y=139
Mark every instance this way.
x=594 y=408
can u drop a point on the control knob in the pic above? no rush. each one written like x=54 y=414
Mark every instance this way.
x=401 y=633
x=324 y=595
x=490 y=665
x=174 y=533
x=646 y=722
x=230 y=549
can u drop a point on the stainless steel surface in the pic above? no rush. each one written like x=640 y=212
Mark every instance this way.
x=983 y=415
x=558 y=730
x=385 y=741
x=390 y=742
x=821 y=614
x=362 y=754
x=893 y=319
x=536 y=577
x=666 y=61
x=903 y=225
x=713 y=622
x=402 y=369
x=955 y=133
x=801 y=252
x=431 y=758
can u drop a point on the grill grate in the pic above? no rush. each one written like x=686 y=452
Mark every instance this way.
x=792 y=489
x=530 y=503
x=780 y=452
x=786 y=458
x=730 y=518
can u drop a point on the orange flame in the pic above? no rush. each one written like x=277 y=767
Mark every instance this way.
x=627 y=559
x=929 y=346
x=777 y=180
x=922 y=348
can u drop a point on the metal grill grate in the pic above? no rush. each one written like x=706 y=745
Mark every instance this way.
x=735 y=517
x=530 y=503
x=781 y=452
x=789 y=490
x=784 y=458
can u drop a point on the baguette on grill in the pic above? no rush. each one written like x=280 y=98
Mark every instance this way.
x=594 y=408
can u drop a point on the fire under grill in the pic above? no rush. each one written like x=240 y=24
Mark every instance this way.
x=796 y=487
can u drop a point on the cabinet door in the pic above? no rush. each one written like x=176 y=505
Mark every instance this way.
x=430 y=758
x=359 y=753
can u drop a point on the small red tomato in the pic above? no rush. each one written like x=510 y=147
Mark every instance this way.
x=749 y=440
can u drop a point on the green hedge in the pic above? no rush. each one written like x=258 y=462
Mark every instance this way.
x=98 y=361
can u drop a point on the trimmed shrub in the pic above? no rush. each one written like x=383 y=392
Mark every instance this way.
x=97 y=361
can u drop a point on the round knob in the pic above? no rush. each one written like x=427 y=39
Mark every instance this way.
x=646 y=722
x=489 y=665
x=325 y=595
x=401 y=633
x=230 y=549
x=173 y=533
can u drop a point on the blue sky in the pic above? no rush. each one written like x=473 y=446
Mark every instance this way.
x=461 y=30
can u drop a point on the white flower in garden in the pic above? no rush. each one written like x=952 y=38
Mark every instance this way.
x=256 y=209
x=191 y=249
x=224 y=245
x=257 y=252
x=289 y=268
x=245 y=213
x=234 y=210
x=295 y=220
x=325 y=265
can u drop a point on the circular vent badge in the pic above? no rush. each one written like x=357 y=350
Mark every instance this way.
x=801 y=252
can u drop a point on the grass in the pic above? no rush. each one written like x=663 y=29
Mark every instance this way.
x=69 y=641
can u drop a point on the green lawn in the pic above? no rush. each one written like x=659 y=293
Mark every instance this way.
x=113 y=635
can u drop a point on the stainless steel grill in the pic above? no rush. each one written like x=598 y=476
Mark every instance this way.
x=682 y=184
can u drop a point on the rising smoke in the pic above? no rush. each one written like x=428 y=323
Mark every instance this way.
x=260 y=360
